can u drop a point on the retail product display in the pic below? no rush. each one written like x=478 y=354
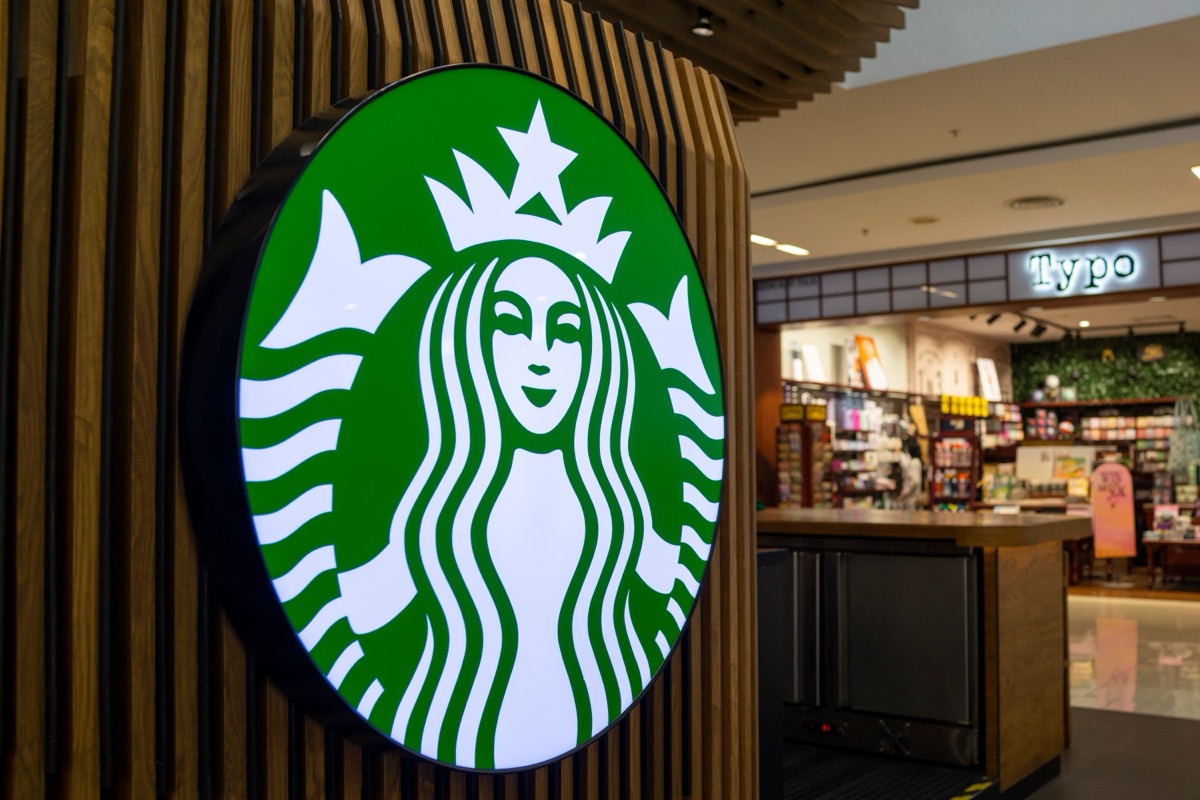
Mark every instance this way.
x=838 y=449
x=1003 y=427
x=956 y=464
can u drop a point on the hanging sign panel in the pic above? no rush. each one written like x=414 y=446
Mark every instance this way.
x=452 y=421
x=1112 y=511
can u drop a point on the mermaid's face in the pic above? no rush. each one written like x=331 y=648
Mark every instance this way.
x=536 y=342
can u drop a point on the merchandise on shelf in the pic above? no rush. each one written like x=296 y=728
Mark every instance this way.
x=956 y=463
x=1002 y=427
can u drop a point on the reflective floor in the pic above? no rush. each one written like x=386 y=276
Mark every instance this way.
x=1141 y=656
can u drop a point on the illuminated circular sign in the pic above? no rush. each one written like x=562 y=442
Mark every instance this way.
x=452 y=418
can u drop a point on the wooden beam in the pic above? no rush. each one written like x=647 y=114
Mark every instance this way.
x=761 y=35
x=784 y=24
x=870 y=11
x=748 y=76
x=838 y=29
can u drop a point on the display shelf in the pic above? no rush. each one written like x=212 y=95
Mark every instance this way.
x=1129 y=401
x=956 y=464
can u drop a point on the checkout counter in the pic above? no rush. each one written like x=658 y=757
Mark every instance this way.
x=924 y=635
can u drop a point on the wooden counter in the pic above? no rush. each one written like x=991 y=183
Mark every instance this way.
x=1018 y=602
x=966 y=529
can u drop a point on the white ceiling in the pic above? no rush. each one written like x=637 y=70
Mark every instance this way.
x=1110 y=124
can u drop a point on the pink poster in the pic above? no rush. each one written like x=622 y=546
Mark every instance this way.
x=1112 y=511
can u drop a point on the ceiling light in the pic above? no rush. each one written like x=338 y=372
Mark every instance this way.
x=992 y=319
x=1033 y=309
x=1157 y=299
x=1019 y=325
x=927 y=219
x=763 y=240
x=1035 y=202
x=924 y=318
x=791 y=249
x=1083 y=323
x=703 y=26
x=1038 y=330
x=1196 y=170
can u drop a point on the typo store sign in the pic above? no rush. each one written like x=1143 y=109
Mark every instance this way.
x=452 y=419
x=1102 y=268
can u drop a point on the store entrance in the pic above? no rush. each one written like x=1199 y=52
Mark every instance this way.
x=999 y=409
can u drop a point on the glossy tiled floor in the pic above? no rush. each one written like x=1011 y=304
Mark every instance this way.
x=1134 y=655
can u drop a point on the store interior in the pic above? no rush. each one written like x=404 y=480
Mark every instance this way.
x=1005 y=409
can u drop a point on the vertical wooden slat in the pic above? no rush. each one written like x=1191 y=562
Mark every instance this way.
x=500 y=28
x=391 y=47
x=8 y=296
x=473 y=30
x=36 y=69
x=556 y=68
x=136 y=386
x=278 y=112
x=186 y=253
x=524 y=27
x=352 y=771
x=354 y=47
x=233 y=154
x=445 y=22
x=318 y=68
x=422 y=46
x=733 y=297
x=314 y=759
x=278 y=36
x=82 y=337
x=388 y=776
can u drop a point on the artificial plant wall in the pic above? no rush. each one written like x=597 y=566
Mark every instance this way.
x=1109 y=369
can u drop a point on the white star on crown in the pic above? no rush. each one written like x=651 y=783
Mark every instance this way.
x=491 y=214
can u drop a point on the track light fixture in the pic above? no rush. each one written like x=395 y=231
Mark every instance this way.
x=703 y=26
x=1019 y=325
x=1038 y=330
x=992 y=319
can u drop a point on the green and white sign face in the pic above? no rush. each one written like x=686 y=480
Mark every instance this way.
x=480 y=418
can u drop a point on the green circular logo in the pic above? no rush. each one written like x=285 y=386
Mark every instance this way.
x=479 y=417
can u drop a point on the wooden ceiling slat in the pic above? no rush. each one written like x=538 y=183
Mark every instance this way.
x=675 y=21
x=770 y=54
x=840 y=22
x=870 y=11
x=784 y=24
x=732 y=60
x=753 y=27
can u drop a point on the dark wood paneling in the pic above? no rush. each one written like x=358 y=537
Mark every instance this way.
x=155 y=139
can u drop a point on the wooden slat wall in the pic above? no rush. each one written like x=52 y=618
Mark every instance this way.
x=129 y=125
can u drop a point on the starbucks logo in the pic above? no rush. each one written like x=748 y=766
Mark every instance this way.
x=474 y=423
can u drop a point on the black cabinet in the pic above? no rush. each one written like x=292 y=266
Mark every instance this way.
x=881 y=646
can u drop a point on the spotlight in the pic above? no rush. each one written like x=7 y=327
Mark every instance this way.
x=703 y=26
x=1019 y=325
x=1038 y=330
x=992 y=319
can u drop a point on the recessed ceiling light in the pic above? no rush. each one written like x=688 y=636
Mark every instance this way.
x=924 y=318
x=928 y=219
x=1033 y=309
x=1196 y=170
x=1035 y=202
x=1083 y=323
x=1158 y=298
x=763 y=240
x=791 y=249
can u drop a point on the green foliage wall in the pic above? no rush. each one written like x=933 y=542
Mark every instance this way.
x=1082 y=364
